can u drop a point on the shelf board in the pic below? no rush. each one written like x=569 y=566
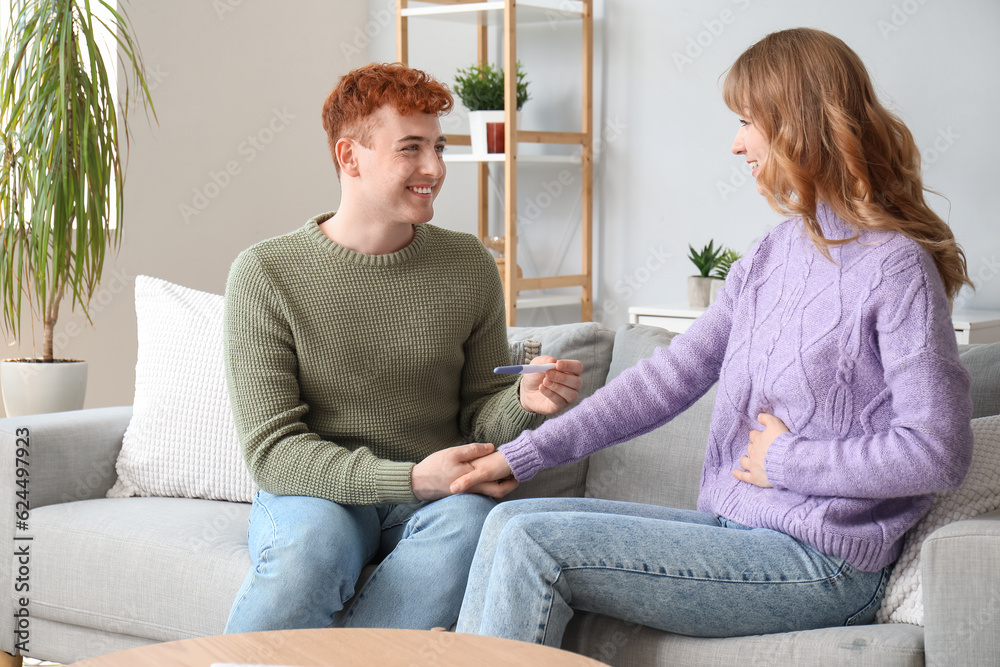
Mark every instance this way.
x=528 y=11
x=502 y=157
x=546 y=301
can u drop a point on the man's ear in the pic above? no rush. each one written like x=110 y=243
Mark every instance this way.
x=347 y=156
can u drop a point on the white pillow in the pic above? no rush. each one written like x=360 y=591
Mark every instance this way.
x=181 y=441
x=978 y=494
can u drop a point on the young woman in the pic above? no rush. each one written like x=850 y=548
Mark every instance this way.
x=842 y=405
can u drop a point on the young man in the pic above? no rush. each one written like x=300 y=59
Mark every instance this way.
x=359 y=356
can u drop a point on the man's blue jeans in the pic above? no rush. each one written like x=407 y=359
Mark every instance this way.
x=682 y=571
x=308 y=552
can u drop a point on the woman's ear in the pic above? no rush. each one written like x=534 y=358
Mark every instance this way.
x=347 y=156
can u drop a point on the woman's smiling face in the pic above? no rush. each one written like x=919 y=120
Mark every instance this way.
x=752 y=144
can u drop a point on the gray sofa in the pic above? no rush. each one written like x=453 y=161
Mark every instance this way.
x=110 y=574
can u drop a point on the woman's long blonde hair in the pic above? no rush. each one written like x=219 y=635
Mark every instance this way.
x=832 y=141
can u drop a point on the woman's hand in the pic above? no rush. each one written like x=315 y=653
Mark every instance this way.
x=488 y=472
x=549 y=392
x=752 y=463
x=432 y=478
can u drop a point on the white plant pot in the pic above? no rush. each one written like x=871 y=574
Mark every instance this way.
x=699 y=291
x=477 y=128
x=33 y=387
x=716 y=285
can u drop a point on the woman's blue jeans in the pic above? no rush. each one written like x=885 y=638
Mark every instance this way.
x=308 y=552
x=682 y=571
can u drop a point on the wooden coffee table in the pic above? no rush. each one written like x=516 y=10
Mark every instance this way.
x=336 y=647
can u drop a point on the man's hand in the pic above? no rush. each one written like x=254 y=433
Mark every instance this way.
x=432 y=478
x=489 y=471
x=549 y=392
x=752 y=463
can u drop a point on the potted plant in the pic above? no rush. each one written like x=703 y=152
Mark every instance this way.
x=700 y=286
x=61 y=178
x=724 y=263
x=481 y=89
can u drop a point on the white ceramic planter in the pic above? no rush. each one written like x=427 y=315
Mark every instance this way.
x=714 y=293
x=699 y=291
x=32 y=387
x=477 y=128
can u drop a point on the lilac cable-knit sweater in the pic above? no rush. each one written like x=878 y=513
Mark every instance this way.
x=856 y=356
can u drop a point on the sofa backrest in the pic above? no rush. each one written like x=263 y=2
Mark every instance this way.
x=983 y=363
x=662 y=467
x=591 y=344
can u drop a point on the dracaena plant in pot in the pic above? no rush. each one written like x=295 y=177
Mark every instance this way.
x=481 y=89
x=61 y=178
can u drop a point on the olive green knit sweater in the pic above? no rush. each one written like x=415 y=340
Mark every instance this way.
x=344 y=369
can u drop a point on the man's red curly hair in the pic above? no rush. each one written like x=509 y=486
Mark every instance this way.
x=348 y=110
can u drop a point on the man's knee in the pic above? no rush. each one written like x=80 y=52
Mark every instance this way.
x=459 y=516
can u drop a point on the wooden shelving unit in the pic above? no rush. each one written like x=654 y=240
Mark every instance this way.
x=478 y=14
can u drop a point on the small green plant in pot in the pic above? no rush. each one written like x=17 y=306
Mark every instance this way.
x=700 y=286
x=61 y=177
x=481 y=90
x=722 y=267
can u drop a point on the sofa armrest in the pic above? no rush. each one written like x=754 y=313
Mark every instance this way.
x=960 y=572
x=70 y=456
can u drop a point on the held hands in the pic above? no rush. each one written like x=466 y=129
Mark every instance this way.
x=752 y=463
x=434 y=477
x=490 y=470
x=549 y=392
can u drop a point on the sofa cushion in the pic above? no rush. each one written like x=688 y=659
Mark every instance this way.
x=979 y=493
x=161 y=568
x=591 y=344
x=181 y=441
x=617 y=642
x=662 y=467
x=983 y=363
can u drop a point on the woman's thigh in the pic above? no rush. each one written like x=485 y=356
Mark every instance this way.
x=693 y=577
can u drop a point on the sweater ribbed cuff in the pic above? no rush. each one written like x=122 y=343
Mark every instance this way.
x=774 y=462
x=392 y=482
x=519 y=418
x=522 y=457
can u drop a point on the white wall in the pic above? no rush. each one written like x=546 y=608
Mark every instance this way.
x=665 y=176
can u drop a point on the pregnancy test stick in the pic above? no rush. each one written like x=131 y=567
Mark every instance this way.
x=523 y=370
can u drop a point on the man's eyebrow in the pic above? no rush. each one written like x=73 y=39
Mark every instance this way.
x=411 y=138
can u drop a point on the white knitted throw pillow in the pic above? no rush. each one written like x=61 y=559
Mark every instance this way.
x=979 y=493
x=181 y=441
